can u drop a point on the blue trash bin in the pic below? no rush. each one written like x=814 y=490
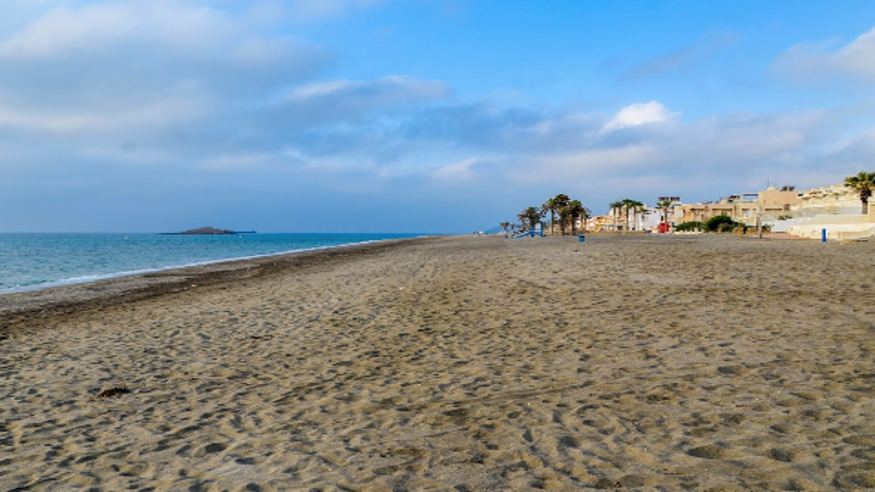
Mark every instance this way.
x=581 y=238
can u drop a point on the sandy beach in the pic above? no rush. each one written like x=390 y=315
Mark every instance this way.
x=453 y=363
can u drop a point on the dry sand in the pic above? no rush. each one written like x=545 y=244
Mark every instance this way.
x=467 y=363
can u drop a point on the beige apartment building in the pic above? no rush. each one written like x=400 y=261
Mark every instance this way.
x=770 y=204
x=615 y=221
x=602 y=223
x=830 y=200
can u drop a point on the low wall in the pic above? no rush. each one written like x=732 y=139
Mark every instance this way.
x=834 y=230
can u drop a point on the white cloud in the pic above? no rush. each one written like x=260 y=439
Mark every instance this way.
x=102 y=26
x=455 y=171
x=140 y=63
x=171 y=34
x=157 y=114
x=176 y=90
x=386 y=89
x=342 y=100
x=640 y=114
x=47 y=122
x=588 y=163
x=809 y=60
x=700 y=159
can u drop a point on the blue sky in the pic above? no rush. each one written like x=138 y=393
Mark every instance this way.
x=417 y=115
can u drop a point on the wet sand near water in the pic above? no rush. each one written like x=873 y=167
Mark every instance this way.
x=456 y=363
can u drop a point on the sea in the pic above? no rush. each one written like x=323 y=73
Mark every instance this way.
x=34 y=261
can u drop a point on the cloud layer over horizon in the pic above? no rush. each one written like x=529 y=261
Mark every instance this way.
x=138 y=115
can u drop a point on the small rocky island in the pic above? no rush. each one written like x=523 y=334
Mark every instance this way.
x=209 y=231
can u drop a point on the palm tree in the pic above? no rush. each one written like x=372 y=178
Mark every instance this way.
x=628 y=205
x=562 y=201
x=523 y=217
x=531 y=215
x=616 y=207
x=664 y=206
x=504 y=226
x=863 y=183
x=564 y=215
x=576 y=210
x=637 y=211
x=550 y=206
x=554 y=205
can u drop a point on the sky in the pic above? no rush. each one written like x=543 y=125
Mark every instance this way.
x=431 y=116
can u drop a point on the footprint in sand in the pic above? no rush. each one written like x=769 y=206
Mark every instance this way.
x=710 y=451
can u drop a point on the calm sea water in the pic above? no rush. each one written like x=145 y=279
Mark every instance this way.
x=37 y=261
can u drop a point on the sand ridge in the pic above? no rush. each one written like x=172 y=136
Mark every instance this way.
x=465 y=363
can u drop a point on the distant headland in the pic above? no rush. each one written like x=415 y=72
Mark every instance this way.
x=208 y=231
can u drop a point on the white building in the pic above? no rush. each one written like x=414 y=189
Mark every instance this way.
x=836 y=209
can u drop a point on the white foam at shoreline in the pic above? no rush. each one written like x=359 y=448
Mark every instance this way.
x=107 y=276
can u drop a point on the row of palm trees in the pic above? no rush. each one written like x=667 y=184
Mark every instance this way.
x=562 y=206
x=627 y=207
x=624 y=208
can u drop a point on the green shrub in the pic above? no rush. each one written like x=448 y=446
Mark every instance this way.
x=721 y=223
x=689 y=226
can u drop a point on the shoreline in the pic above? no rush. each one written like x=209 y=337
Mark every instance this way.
x=461 y=363
x=27 y=307
x=92 y=278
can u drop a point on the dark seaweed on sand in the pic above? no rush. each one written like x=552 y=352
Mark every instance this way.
x=112 y=392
